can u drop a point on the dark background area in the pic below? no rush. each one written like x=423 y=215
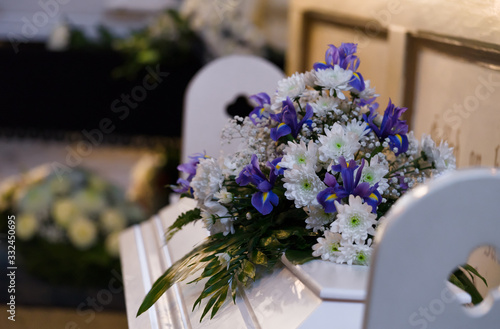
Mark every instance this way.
x=51 y=94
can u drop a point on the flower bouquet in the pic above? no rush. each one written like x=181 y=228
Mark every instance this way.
x=317 y=169
x=67 y=225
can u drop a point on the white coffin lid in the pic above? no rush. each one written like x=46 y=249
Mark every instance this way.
x=293 y=296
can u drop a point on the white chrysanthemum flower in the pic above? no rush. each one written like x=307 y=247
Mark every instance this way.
x=300 y=155
x=26 y=226
x=291 y=87
x=112 y=220
x=302 y=185
x=338 y=142
x=64 y=211
x=355 y=254
x=90 y=200
x=324 y=105
x=446 y=160
x=207 y=181
x=368 y=93
x=310 y=78
x=442 y=156
x=357 y=127
x=336 y=79
x=216 y=219
x=375 y=172
x=328 y=247
x=82 y=233
x=224 y=196
x=112 y=244
x=318 y=218
x=224 y=259
x=354 y=220
x=309 y=96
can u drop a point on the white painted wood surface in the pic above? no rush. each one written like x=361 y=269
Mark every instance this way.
x=428 y=232
x=323 y=294
x=215 y=87
x=278 y=300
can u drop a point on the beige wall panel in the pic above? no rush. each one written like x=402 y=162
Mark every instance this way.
x=458 y=101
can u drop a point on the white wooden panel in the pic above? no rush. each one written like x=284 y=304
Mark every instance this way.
x=214 y=88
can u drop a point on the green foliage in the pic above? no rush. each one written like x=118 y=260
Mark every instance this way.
x=190 y=216
x=460 y=278
x=258 y=243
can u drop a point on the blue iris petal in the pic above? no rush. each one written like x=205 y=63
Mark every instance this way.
x=264 y=201
x=327 y=199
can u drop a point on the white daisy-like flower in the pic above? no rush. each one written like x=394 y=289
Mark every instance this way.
x=310 y=78
x=291 y=87
x=112 y=244
x=318 y=218
x=375 y=172
x=324 y=105
x=336 y=79
x=328 y=247
x=224 y=259
x=338 y=142
x=302 y=185
x=300 y=155
x=446 y=160
x=224 y=196
x=441 y=155
x=82 y=233
x=357 y=254
x=357 y=127
x=112 y=220
x=354 y=220
x=207 y=181
x=368 y=93
x=90 y=200
x=26 y=226
x=64 y=210
x=215 y=218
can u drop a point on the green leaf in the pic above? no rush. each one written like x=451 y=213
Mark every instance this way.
x=282 y=234
x=259 y=258
x=181 y=221
x=293 y=213
x=249 y=270
x=298 y=257
x=177 y=272
x=209 y=305
x=472 y=270
x=468 y=286
x=270 y=242
x=219 y=302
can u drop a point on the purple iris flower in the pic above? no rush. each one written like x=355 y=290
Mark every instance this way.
x=392 y=127
x=288 y=121
x=350 y=185
x=344 y=57
x=190 y=169
x=265 y=198
x=328 y=196
x=261 y=99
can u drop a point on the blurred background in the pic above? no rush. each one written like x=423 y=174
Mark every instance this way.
x=90 y=135
x=92 y=106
